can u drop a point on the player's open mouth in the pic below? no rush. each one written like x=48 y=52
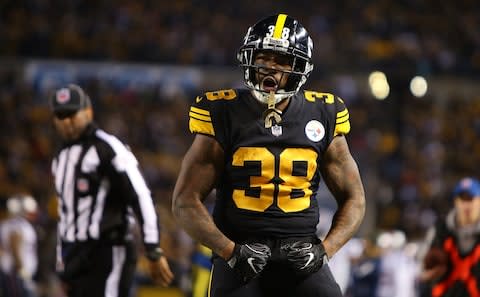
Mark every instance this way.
x=269 y=84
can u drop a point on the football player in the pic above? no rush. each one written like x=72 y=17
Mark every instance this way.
x=264 y=148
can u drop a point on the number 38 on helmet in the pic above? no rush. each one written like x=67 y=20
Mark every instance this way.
x=284 y=35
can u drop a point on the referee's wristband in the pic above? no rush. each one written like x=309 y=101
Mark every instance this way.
x=154 y=254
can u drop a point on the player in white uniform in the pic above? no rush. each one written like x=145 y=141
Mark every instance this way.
x=18 y=239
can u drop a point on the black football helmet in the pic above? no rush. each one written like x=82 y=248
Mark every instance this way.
x=281 y=34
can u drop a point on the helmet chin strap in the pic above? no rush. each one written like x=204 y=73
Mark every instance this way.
x=272 y=116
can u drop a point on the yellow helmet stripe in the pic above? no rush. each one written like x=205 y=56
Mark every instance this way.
x=277 y=32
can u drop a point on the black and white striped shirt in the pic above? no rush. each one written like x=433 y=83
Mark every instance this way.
x=98 y=183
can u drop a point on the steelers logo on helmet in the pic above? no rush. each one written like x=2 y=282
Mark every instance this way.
x=282 y=35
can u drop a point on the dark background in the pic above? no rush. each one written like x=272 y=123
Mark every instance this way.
x=143 y=62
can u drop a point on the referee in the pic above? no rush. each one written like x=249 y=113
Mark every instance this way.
x=99 y=187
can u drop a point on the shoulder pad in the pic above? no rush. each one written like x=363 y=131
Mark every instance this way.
x=336 y=106
x=204 y=108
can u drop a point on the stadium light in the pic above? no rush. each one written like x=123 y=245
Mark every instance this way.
x=418 y=86
x=379 y=86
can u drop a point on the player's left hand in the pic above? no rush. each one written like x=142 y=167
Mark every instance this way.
x=305 y=257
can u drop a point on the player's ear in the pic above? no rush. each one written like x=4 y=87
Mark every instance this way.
x=89 y=113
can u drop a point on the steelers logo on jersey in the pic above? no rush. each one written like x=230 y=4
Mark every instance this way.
x=314 y=130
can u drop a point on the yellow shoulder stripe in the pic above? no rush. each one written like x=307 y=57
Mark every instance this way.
x=200 y=117
x=200 y=121
x=200 y=114
x=341 y=119
x=342 y=113
x=342 y=128
x=202 y=127
x=199 y=110
x=342 y=123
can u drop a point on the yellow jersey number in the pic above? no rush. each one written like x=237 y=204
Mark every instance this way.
x=221 y=95
x=312 y=96
x=267 y=188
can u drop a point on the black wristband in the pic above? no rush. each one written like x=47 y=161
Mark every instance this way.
x=154 y=254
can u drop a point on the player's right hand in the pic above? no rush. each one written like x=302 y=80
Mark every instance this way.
x=160 y=272
x=248 y=260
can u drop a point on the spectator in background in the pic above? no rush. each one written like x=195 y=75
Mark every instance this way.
x=397 y=270
x=451 y=266
x=19 y=259
x=341 y=263
x=99 y=187
x=366 y=270
x=386 y=267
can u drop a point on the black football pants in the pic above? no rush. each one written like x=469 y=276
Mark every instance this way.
x=277 y=280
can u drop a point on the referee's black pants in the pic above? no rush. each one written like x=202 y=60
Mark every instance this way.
x=98 y=269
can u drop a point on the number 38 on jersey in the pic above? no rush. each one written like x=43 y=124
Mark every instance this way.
x=284 y=179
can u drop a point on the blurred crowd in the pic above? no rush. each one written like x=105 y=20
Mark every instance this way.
x=410 y=150
x=428 y=36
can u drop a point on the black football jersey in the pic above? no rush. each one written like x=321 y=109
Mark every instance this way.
x=271 y=176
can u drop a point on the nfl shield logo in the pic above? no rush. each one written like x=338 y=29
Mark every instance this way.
x=82 y=185
x=276 y=130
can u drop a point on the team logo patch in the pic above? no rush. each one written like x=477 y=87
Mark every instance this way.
x=314 y=130
x=63 y=95
x=82 y=185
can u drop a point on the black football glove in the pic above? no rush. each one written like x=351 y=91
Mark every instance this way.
x=248 y=260
x=305 y=257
